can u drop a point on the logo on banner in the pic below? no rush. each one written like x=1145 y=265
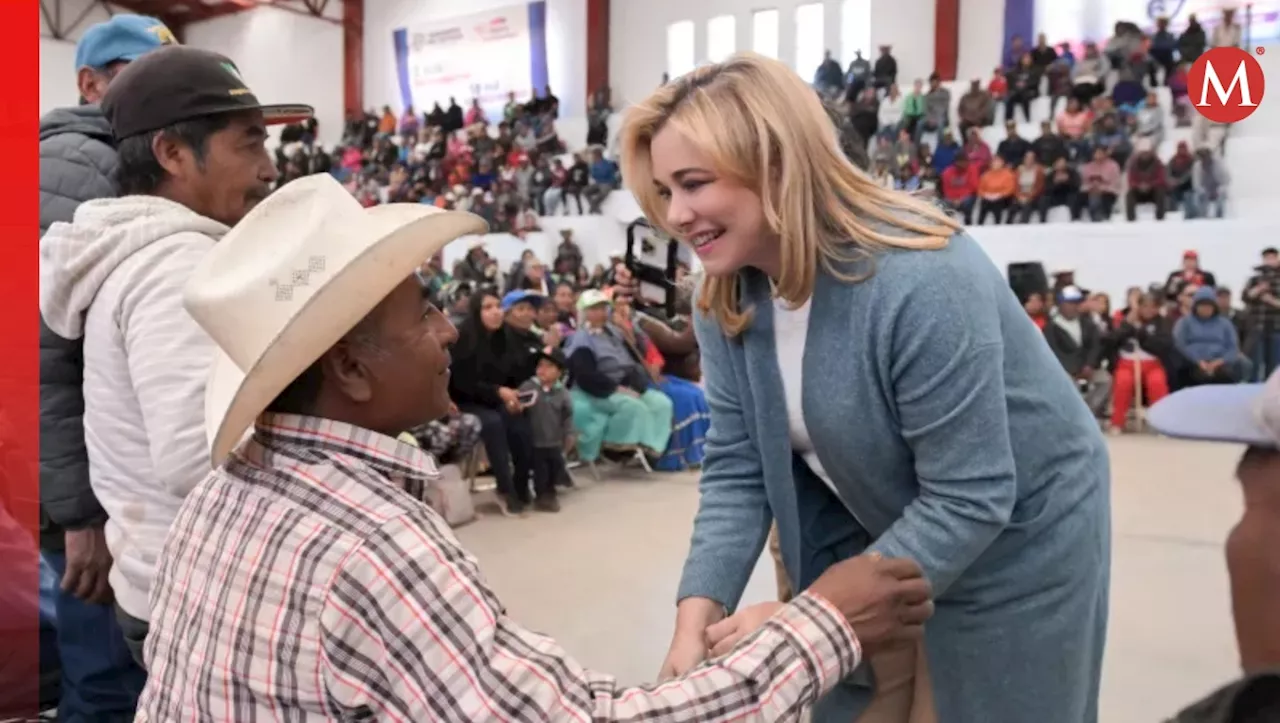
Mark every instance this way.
x=1226 y=85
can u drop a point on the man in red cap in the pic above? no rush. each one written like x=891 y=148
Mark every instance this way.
x=1190 y=273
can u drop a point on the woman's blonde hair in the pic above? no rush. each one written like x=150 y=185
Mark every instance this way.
x=765 y=128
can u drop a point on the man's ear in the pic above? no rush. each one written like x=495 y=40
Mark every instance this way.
x=349 y=373
x=91 y=85
x=172 y=155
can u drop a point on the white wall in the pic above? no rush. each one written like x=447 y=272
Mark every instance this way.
x=638 y=36
x=981 y=39
x=285 y=57
x=566 y=45
x=58 y=57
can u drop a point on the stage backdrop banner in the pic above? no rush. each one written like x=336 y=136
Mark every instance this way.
x=483 y=55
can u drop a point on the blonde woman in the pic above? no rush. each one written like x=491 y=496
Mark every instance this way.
x=875 y=387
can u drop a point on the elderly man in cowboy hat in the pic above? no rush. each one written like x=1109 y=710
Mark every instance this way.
x=303 y=580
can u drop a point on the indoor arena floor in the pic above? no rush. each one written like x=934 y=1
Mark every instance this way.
x=601 y=576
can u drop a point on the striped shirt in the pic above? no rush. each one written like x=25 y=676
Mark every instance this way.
x=302 y=582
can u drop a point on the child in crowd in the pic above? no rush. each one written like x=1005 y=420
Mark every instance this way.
x=551 y=417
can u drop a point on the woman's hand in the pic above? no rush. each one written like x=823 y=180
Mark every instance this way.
x=727 y=633
x=510 y=399
x=688 y=649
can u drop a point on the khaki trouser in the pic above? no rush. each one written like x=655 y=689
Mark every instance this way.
x=903 y=693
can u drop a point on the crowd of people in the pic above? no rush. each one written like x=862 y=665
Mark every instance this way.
x=1185 y=331
x=1101 y=152
x=509 y=171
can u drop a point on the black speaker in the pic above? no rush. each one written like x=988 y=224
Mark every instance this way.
x=1027 y=277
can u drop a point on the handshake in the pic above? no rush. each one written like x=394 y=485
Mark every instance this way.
x=886 y=602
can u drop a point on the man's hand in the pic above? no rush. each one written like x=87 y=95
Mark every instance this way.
x=1086 y=373
x=88 y=563
x=886 y=601
x=727 y=633
x=510 y=399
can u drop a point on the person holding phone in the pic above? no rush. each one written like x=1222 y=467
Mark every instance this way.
x=491 y=359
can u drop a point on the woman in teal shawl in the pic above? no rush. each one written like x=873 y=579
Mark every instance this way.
x=614 y=401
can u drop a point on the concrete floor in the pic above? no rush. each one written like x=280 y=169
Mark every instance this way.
x=601 y=576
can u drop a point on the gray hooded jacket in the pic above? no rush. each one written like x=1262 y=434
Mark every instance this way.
x=77 y=164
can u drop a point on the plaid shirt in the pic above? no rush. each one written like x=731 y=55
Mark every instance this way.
x=301 y=582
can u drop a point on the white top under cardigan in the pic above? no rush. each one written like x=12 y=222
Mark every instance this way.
x=790 y=328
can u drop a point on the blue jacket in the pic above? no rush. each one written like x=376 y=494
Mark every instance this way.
x=1206 y=339
x=953 y=438
x=944 y=155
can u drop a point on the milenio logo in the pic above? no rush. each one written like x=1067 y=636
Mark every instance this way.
x=1225 y=85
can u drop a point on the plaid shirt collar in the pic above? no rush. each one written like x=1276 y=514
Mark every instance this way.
x=306 y=438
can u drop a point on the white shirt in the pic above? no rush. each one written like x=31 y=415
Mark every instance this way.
x=790 y=329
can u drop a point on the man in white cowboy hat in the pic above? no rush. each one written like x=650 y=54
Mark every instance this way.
x=192 y=162
x=1245 y=414
x=304 y=579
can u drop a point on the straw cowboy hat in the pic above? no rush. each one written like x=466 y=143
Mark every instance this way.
x=291 y=279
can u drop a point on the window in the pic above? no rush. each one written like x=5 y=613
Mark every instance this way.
x=810 y=42
x=721 y=38
x=855 y=30
x=764 y=33
x=680 y=53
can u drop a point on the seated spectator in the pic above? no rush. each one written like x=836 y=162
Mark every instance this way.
x=1062 y=188
x=1050 y=146
x=996 y=189
x=1013 y=147
x=857 y=76
x=576 y=181
x=691 y=414
x=959 y=187
x=1043 y=55
x=551 y=420
x=977 y=109
x=1058 y=75
x=1077 y=342
x=1239 y=321
x=604 y=178
x=977 y=150
x=1209 y=181
x=881 y=174
x=1030 y=180
x=1162 y=50
x=1179 y=169
x=891 y=110
x=1190 y=274
x=907 y=180
x=598 y=114
x=1024 y=87
x=937 y=109
x=475 y=114
x=1149 y=121
x=1179 y=85
x=409 y=123
x=1147 y=182
x=1122 y=45
x=998 y=86
x=1127 y=94
x=553 y=197
x=613 y=399
x=490 y=361
x=1098 y=308
x=864 y=115
x=1036 y=309
x=913 y=107
x=1145 y=340
x=387 y=123
x=1075 y=123
x=534 y=278
x=905 y=153
x=1089 y=75
x=1110 y=135
x=945 y=154
x=1208 y=342
x=1100 y=185
x=565 y=302
x=526 y=220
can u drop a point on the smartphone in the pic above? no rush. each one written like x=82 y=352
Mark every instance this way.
x=529 y=397
x=652 y=258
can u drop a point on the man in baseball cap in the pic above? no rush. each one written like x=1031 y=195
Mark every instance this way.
x=1247 y=414
x=191 y=139
x=78 y=164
